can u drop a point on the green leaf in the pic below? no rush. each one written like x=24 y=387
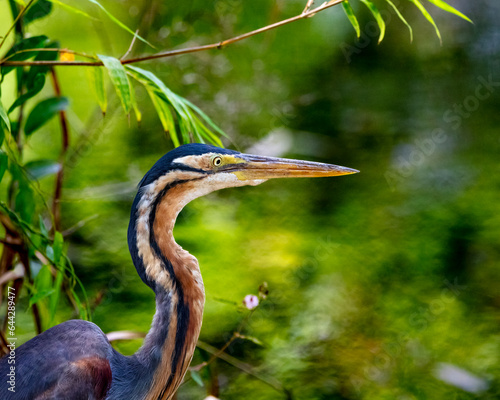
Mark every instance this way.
x=378 y=17
x=37 y=10
x=25 y=202
x=38 y=84
x=35 y=42
x=42 y=69
x=42 y=286
x=119 y=23
x=58 y=246
x=401 y=18
x=43 y=112
x=428 y=17
x=54 y=298
x=41 y=168
x=4 y=163
x=137 y=112
x=96 y=81
x=43 y=228
x=197 y=378
x=352 y=18
x=4 y=117
x=72 y=9
x=446 y=7
x=190 y=119
x=120 y=81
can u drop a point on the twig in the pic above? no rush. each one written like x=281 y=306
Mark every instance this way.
x=56 y=209
x=21 y=13
x=48 y=49
x=274 y=383
x=218 y=45
x=131 y=45
x=308 y=6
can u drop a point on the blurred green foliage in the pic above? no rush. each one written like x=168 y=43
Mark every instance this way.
x=378 y=282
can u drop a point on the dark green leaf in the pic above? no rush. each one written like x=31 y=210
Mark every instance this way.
x=38 y=10
x=378 y=17
x=446 y=7
x=119 y=79
x=41 y=168
x=43 y=112
x=352 y=18
x=42 y=56
x=4 y=163
x=38 y=84
x=25 y=202
x=35 y=42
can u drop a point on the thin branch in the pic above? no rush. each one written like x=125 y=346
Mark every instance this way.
x=56 y=208
x=218 y=45
x=308 y=6
x=77 y=53
x=131 y=45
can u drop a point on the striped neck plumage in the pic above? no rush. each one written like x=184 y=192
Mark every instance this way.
x=174 y=275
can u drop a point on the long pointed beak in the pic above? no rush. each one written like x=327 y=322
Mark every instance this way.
x=258 y=167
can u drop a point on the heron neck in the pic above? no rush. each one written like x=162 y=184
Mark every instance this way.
x=175 y=276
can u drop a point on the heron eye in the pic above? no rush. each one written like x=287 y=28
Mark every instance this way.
x=217 y=161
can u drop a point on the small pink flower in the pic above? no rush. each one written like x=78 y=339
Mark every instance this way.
x=250 y=301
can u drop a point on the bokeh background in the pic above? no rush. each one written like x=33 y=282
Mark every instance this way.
x=382 y=285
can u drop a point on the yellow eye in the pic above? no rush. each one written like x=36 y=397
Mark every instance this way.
x=217 y=161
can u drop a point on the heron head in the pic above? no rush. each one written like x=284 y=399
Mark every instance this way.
x=214 y=168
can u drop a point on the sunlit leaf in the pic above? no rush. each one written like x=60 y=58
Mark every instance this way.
x=352 y=18
x=137 y=112
x=96 y=81
x=38 y=84
x=72 y=9
x=446 y=7
x=38 y=10
x=428 y=17
x=118 y=22
x=43 y=112
x=378 y=17
x=41 y=168
x=119 y=79
x=58 y=246
x=35 y=42
x=191 y=121
x=4 y=117
x=401 y=18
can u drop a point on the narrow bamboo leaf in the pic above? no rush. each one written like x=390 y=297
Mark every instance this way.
x=58 y=246
x=378 y=17
x=41 y=168
x=428 y=17
x=119 y=79
x=137 y=112
x=43 y=112
x=118 y=22
x=54 y=298
x=352 y=18
x=4 y=117
x=96 y=81
x=4 y=162
x=35 y=42
x=446 y=7
x=398 y=13
x=72 y=9
x=38 y=10
x=165 y=115
x=38 y=84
